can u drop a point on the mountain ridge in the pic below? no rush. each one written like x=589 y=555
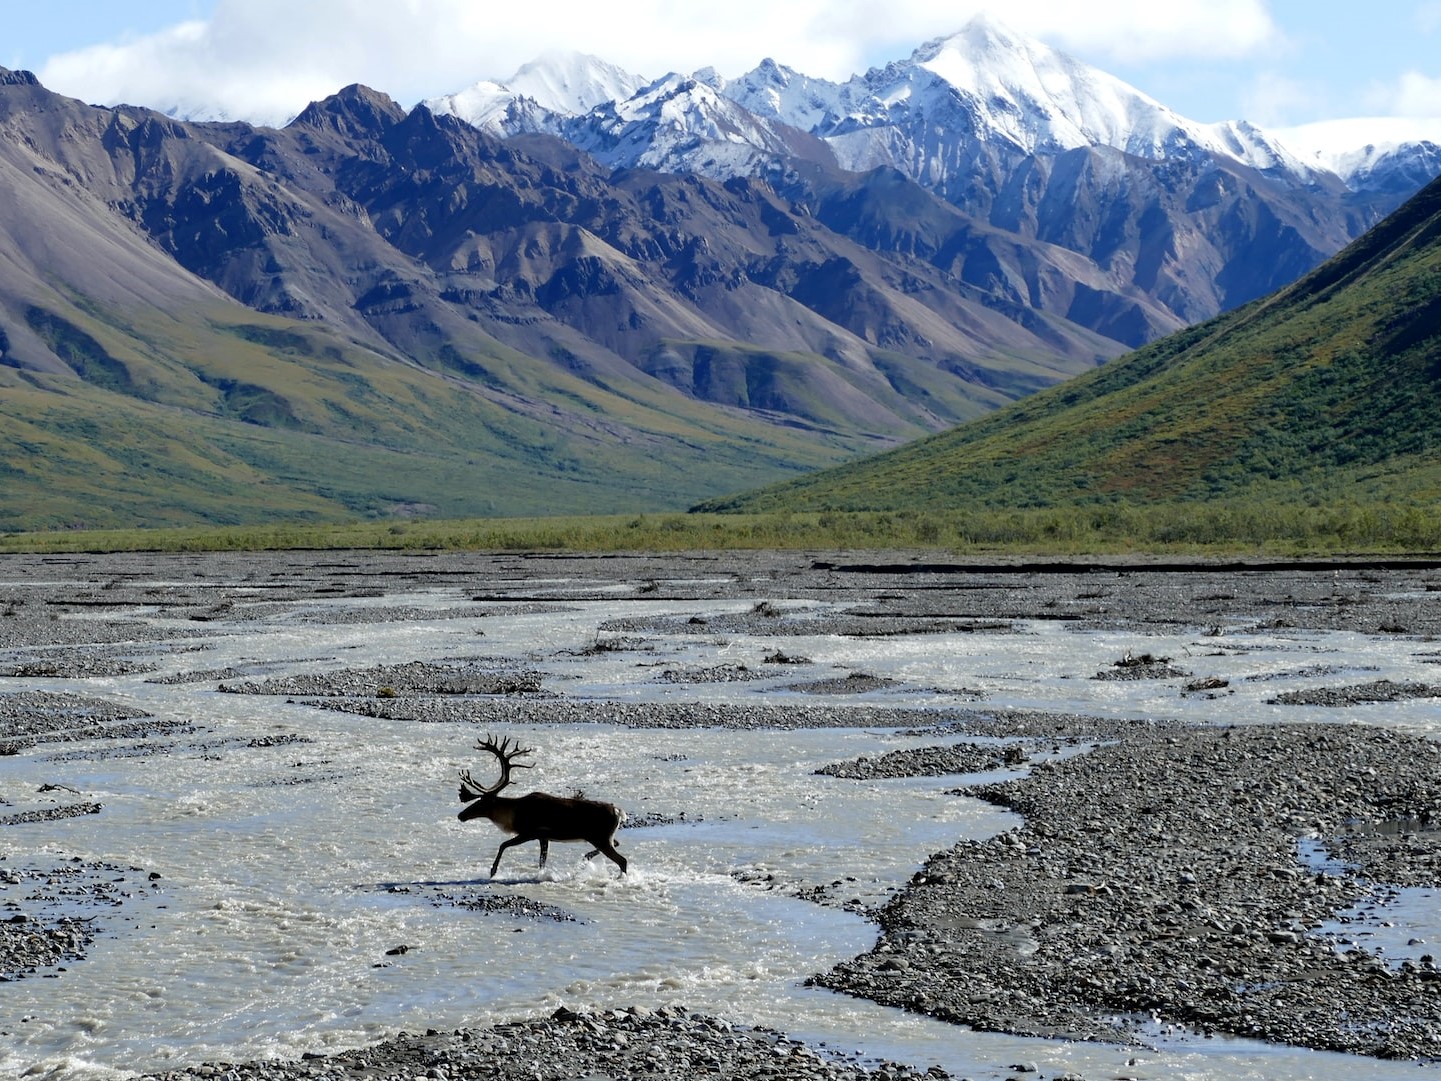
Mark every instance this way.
x=394 y=289
x=1198 y=217
x=1324 y=391
x=1016 y=79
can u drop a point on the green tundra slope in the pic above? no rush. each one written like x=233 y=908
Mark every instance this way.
x=374 y=313
x=210 y=413
x=1328 y=389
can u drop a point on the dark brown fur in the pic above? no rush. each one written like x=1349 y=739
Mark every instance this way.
x=545 y=818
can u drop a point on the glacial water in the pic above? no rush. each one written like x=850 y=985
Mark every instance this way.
x=310 y=862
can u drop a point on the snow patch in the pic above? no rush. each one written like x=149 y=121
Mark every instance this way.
x=1349 y=146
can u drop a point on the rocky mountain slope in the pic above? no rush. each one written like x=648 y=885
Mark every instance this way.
x=385 y=310
x=1198 y=218
x=1322 y=394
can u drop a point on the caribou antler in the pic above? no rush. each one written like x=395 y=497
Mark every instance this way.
x=506 y=751
x=537 y=816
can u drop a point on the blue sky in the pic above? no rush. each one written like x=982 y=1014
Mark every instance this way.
x=1275 y=62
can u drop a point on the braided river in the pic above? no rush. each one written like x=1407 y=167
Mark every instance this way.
x=285 y=879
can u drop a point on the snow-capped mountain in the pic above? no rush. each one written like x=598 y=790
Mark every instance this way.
x=676 y=123
x=776 y=92
x=1371 y=154
x=1398 y=170
x=1032 y=141
x=1019 y=136
x=496 y=109
x=985 y=85
x=541 y=95
x=684 y=124
x=1045 y=101
x=574 y=83
x=988 y=84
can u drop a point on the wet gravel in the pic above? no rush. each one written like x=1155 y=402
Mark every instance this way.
x=28 y=945
x=678 y=715
x=634 y=1042
x=1155 y=876
x=928 y=762
x=28 y=718
x=395 y=680
x=49 y=912
x=1158 y=877
x=1381 y=690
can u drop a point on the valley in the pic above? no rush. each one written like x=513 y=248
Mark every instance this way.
x=588 y=292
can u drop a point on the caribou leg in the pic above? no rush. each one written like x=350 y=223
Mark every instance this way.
x=501 y=851
x=609 y=849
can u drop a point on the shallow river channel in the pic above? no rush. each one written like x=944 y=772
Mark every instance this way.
x=284 y=878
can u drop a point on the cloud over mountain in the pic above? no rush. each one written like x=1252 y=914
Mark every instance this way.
x=264 y=60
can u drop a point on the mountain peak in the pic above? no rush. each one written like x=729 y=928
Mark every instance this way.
x=1371 y=153
x=541 y=94
x=572 y=83
x=1040 y=98
x=354 y=110
x=710 y=77
x=17 y=78
x=982 y=31
x=777 y=92
x=986 y=49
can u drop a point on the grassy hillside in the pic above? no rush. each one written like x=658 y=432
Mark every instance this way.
x=1327 y=391
x=226 y=416
x=374 y=314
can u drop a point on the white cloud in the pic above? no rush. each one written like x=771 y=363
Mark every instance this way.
x=1141 y=30
x=1427 y=17
x=265 y=59
x=187 y=68
x=1272 y=99
x=1412 y=94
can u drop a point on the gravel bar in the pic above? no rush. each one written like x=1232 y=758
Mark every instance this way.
x=1158 y=877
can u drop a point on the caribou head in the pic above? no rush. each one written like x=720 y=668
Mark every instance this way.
x=537 y=816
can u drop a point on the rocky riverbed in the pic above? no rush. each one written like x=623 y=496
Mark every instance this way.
x=1157 y=877
x=1164 y=872
x=634 y=1042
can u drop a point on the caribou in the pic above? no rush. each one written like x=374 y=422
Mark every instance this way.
x=537 y=816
